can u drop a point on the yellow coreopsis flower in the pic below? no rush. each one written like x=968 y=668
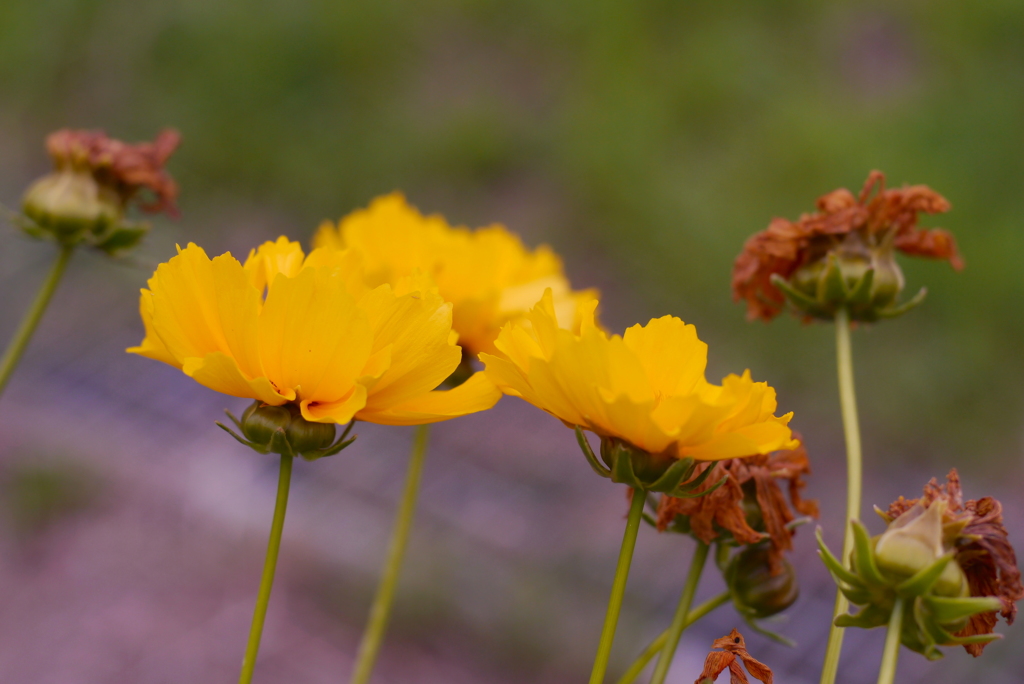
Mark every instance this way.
x=320 y=340
x=644 y=391
x=488 y=274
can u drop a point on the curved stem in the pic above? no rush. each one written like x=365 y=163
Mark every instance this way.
x=16 y=347
x=611 y=618
x=655 y=646
x=679 y=620
x=269 y=566
x=851 y=427
x=380 y=611
x=891 y=653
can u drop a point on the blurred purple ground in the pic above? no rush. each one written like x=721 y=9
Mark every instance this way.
x=144 y=567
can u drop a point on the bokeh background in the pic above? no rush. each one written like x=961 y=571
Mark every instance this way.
x=643 y=140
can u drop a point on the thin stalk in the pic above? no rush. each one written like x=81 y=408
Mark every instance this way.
x=16 y=347
x=851 y=427
x=891 y=653
x=380 y=611
x=284 y=480
x=654 y=648
x=611 y=618
x=679 y=620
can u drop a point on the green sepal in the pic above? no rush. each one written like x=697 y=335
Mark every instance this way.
x=856 y=595
x=778 y=638
x=695 y=482
x=797 y=298
x=864 y=556
x=868 y=618
x=670 y=479
x=839 y=573
x=125 y=237
x=697 y=495
x=589 y=453
x=912 y=303
x=833 y=288
x=861 y=294
x=622 y=471
x=951 y=610
x=252 y=445
x=923 y=580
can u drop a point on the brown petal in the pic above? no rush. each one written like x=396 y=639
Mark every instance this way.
x=715 y=664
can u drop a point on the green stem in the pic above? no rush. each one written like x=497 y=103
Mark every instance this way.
x=611 y=618
x=851 y=427
x=679 y=620
x=655 y=646
x=269 y=565
x=891 y=653
x=16 y=347
x=380 y=611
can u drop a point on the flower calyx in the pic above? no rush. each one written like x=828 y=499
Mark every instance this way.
x=283 y=430
x=624 y=463
x=84 y=199
x=909 y=562
x=866 y=283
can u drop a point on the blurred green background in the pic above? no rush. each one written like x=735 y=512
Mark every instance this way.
x=644 y=140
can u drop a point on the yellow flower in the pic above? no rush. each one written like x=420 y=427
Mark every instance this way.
x=646 y=388
x=489 y=276
x=320 y=339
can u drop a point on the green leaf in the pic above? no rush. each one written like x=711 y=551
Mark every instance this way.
x=581 y=438
x=123 y=239
x=795 y=296
x=864 y=557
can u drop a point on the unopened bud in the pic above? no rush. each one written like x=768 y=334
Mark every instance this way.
x=756 y=591
x=71 y=206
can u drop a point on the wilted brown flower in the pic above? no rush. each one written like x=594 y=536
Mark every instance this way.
x=733 y=648
x=124 y=168
x=867 y=227
x=751 y=497
x=983 y=550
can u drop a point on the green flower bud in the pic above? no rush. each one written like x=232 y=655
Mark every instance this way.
x=71 y=206
x=913 y=542
x=756 y=592
x=283 y=430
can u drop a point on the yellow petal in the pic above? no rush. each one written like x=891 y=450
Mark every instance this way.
x=335 y=412
x=670 y=353
x=271 y=258
x=219 y=372
x=416 y=326
x=151 y=346
x=476 y=394
x=313 y=339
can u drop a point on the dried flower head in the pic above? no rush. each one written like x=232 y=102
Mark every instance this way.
x=734 y=648
x=124 y=168
x=842 y=255
x=750 y=506
x=983 y=551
